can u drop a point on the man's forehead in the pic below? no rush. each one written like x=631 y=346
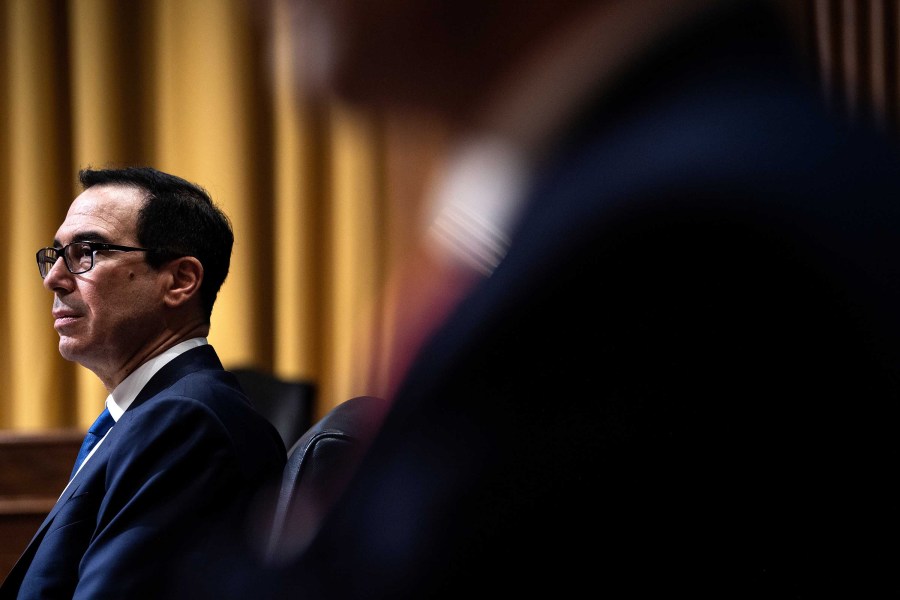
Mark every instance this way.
x=105 y=211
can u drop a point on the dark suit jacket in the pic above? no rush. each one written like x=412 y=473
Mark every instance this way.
x=188 y=446
x=683 y=377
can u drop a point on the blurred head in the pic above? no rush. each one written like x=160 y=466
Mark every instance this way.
x=439 y=56
x=135 y=268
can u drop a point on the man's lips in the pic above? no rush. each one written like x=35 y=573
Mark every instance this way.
x=63 y=317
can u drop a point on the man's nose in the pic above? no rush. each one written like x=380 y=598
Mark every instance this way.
x=51 y=281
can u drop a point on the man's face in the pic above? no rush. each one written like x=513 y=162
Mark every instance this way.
x=108 y=316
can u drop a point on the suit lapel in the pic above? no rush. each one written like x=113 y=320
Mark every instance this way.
x=203 y=357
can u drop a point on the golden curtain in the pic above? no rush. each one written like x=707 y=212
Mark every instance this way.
x=199 y=88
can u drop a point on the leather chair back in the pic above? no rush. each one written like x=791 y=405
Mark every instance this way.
x=319 y=465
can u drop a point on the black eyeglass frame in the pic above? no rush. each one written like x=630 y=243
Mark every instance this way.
x=94 y=246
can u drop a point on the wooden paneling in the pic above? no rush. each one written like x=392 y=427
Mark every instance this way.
x=34 y=469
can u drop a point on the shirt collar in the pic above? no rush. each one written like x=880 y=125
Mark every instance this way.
x=124 y=394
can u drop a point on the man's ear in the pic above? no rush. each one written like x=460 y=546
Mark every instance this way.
x=186 y=275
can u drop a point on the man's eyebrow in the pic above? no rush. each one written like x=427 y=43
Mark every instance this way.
x=84 y=236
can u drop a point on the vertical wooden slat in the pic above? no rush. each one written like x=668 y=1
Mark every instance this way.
x=827 y=48
x=878 y=61
x=850 y=59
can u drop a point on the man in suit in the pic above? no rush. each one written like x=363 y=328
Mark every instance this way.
x=675 y=369
x=135 y=269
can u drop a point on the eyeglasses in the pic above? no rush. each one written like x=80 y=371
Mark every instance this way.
x=78 y=256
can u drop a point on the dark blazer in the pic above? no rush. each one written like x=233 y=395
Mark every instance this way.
x=682 y=379
x=188 y=446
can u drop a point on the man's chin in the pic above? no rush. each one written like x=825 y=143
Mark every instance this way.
x=69 y=349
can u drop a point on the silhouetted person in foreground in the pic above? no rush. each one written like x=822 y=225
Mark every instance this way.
x=676 y=367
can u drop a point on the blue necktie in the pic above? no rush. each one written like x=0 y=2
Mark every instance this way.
x=94 y=435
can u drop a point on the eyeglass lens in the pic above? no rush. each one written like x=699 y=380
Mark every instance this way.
x=78 y=256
